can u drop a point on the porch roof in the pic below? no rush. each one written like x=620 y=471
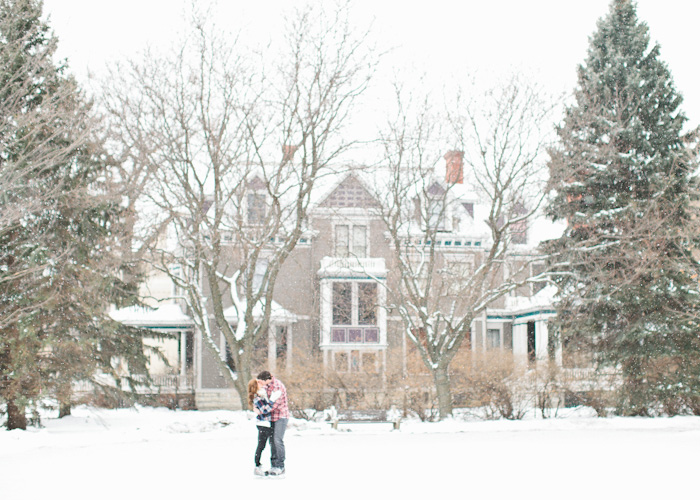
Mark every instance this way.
x=541 y=301
x=278 y=315
x=352 y=267
x=165 y=316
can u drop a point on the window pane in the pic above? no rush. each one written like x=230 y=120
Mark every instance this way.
x=341 y=362
x=342 y=303
x=371 y=335
x=256 y=208
x=342 y=241
x=367 y=303
x=338 y=335
x=355 y=361
x=355 y=335
x=369 y=362
x=359 y=241
x=436 y=215
x=493 y=338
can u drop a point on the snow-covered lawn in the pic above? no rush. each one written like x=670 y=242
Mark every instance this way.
x=158 y=454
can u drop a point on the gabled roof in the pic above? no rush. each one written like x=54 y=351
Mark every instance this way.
x=349 y=191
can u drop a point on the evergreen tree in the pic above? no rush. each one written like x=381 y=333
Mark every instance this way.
x=621 y=177
x=59 y=227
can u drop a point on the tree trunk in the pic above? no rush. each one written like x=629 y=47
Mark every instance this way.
x=64 y=395
x=16 y=418
x=444 y=392
x=244 y=374
x=241 y=385
x=64 y=408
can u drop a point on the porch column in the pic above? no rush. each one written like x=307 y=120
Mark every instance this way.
x=198 y=358
x=183 y=358
x=520 y=343
x=326 y=311
x=326 y=320
x=541 y=341
x=558 y=353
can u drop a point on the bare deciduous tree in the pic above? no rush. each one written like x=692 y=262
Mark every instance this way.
x=439 y=293
x=234 y=151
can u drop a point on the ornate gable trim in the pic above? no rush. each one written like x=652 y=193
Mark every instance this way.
x=350 y=193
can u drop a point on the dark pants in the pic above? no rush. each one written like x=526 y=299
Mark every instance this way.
x=277 y=442
x=264 y=433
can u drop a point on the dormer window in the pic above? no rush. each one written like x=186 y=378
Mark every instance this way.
x=257 y=207
x=437 y=215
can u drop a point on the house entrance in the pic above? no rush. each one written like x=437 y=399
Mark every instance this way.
x=531 y=351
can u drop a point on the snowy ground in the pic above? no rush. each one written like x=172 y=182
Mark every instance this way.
x=161 y=454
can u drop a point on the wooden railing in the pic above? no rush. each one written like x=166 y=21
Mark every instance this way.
x=158 y=383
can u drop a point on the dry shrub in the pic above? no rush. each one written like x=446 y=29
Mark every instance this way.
x=491 y=382
x=498 y=385
x=306 y=388
x=411 y=388
x=311 y=389
x=596 y=388
x=492 y=385
x=549 y=384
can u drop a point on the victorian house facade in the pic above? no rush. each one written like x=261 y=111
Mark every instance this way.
x=331 y=296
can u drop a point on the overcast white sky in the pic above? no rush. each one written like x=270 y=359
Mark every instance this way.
x=545 y=38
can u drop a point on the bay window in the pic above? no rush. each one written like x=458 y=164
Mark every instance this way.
x=354 y=312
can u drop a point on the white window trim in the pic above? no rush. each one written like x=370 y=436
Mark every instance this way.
x=484 y=341
x=326 y=305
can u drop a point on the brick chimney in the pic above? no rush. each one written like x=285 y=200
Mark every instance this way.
x=454 y=167
x=288 y=152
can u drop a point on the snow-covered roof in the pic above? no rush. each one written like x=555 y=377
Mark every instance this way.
x=467 y=211
x=165 y=316
x=349 y=267
x=278 y=314
x=541 y=301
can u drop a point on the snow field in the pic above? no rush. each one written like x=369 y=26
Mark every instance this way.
x=160 y=454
